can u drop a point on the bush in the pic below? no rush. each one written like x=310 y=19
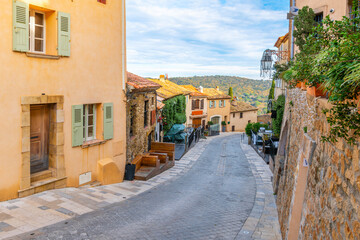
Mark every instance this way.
x=278 y=106
x=210 y=123
x=255 y=127
x=223 y=123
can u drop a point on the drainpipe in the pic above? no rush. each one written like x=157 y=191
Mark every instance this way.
x=123 y=44
x=292 y=33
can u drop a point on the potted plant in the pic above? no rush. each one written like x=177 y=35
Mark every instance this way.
x=223 y=124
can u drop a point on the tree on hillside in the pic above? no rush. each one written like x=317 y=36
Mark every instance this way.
x=231 y=94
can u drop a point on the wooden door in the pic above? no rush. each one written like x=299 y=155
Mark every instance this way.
x=196 y=122
x=39 y=138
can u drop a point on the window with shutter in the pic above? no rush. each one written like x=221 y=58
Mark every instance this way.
x=214 y=104
x=224 y=101
x=193 y=104
x=20 y=26
x=202 y=104
x=108 y=121
x=64 y=34
x=77 y=125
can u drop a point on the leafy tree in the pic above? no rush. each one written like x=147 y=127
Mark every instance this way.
x=231 y=93
x=272 y=90
x=304 y=24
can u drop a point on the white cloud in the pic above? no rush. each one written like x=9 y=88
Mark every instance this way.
x=200 y=37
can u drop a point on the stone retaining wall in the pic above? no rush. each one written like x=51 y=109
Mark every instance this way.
x=331 y=205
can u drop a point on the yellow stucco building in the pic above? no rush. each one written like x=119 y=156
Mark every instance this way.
x=218 y=107
x=63 y=78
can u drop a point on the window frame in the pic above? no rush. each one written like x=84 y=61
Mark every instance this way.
x=32 y=29
x=241 y=115
x=86 y=126
x=146 y=111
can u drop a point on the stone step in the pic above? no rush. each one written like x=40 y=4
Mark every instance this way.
x=35 y=177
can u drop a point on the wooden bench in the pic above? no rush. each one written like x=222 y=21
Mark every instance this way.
x=147 y=166
x=168 y=148
x=164 y=160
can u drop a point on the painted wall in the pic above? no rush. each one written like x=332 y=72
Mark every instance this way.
x=340 y=6
x=92 y=74
x=240 y=123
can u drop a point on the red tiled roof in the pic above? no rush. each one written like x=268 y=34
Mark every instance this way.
x=141 y=83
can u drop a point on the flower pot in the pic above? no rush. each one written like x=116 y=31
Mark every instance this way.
x=316 y=91
x=298 y=85
x=303 y=86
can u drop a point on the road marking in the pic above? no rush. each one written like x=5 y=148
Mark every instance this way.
x=222 y=161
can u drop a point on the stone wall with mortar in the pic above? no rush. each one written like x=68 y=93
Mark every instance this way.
x=138 y=142
x=331 y=206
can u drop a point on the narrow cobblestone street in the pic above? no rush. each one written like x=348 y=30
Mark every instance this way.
x=225 y=194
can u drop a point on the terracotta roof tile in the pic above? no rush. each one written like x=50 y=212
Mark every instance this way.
x=194 y=91
x=141 y=83
x=169 y=89
x=241 y=107
x=213 y=93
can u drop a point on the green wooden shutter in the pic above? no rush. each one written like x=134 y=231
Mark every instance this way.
x=64 y=34
x=108 y=121
x=20 y=26
x=215 y=104
x=77 y=125
x=224 y=101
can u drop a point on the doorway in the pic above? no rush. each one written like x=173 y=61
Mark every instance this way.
x=196 y=122
x=39 y=138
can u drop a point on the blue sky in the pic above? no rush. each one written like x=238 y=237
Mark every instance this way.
x=202 y=37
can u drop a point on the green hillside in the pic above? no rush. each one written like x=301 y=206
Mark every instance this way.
x=251 y=91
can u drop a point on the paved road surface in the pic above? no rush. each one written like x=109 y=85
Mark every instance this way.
x=211 y=201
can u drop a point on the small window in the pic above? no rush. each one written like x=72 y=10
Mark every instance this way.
x=146 y=113
x=89 y=122
x=152 y=101
x=37 y=31
x=241 y=115
x=132 y=120
x=319 y=18
x=220 y=103
x=102 y=1
x=233 y=115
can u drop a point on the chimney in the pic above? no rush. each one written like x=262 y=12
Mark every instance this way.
x=201 y=89
x=167 y=76
x=162 y=78
x=217 y=88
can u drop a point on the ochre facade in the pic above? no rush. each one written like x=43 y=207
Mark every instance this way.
x=93 y=73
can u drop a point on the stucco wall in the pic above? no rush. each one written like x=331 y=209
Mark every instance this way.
x=92 y=74
x=331 y=208
x=240 y=123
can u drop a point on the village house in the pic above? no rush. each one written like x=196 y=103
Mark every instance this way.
x=171 y=93
x=63 y=82
x=196 y=114
x=241 y=113
x=284 y=55
x=218 y=108
x=141 y=114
